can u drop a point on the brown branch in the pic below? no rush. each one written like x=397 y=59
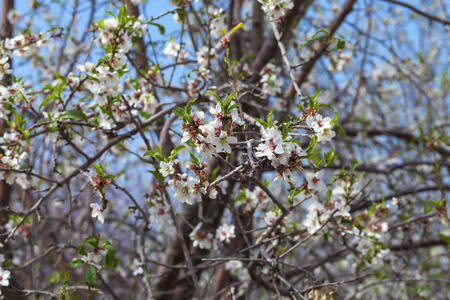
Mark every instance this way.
x=395 y=132
x=257 y=26
x=422 y=13
x=422 y=244
x=365 y=203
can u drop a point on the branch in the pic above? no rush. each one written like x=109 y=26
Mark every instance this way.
x=365 y=203
x=422 y=13
x=423 y=244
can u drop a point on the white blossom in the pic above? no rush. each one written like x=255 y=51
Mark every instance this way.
x=172 y=48
x=225 y=232
x=315 y=181
x=167 y=168
x=4 y=277
x=275 y=8
x=201 y=239
x=97 y=212
x=136 y=266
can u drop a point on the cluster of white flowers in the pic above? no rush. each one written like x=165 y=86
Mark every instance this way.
x=141 y=100
x=22 y=45
x=217 y=21
x=318 y=213
x=322 y=127
x=284 y=155
x=236 y=268
x=107 y=86
x=121 y=39
x=215 y=136
x=108 y=83
x=271 y=84
x=12 y=160
x=205 y=55
x=275 y=8
x=205 y=240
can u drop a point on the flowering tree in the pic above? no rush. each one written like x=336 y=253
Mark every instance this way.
x=224 y=150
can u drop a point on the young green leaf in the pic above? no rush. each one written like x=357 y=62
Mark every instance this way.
x=74 y=114
x=90 y=276
x=179 y=112
x=175 y=151
x=189 y=105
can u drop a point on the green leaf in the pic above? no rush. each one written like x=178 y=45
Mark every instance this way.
x=109 y=176
x=233 y=106
x=329 y=157
x=190 y=72
x=269 y=116
x=175 y=151
x=194 y=158
x=353 y=164
x=292 y=194
x=189 y=105
x=329 y=192
x=340 y=43
x=161 y=28
x=312 y=99
x=324 y=30
x=215 y=96
x=179 y=112
x=241 y=196
x=110 y=13
x=129 y=28
x=335 y=118
x=90 y=276
x=320 y=104
x=110 y=258
x=214 y=174
x=262 y=122
x=339 y=128
x=312 y=144
x=158 y=176
x=369 y=255
x=75 y=262
x=346 y=223
x=99 y=169
x=46 y=100
x=74 y=114
x=285 y=131
x=65 y=277
x=155 y=154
